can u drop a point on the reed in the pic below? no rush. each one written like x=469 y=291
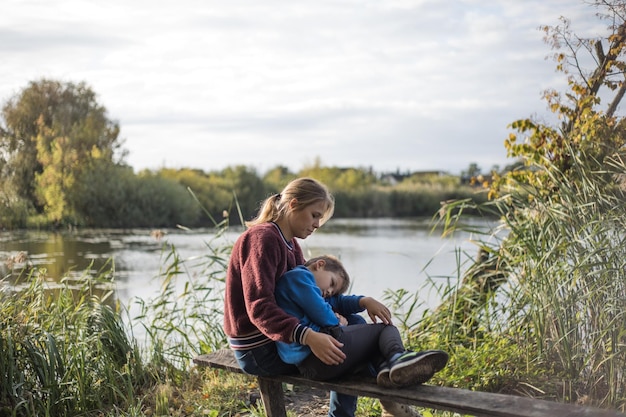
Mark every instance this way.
x=185 y=318
x=562 y=299
x=64 y=351
x=569 y=257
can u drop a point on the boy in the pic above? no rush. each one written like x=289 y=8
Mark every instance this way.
x=310 y=293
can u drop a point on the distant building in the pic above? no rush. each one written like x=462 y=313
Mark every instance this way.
x=392 y=179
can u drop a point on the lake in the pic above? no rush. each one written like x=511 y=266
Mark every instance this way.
x=379 y=254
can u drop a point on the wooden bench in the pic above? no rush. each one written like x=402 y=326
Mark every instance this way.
x=441 y=398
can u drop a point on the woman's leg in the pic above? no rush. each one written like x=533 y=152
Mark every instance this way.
x=263 y=361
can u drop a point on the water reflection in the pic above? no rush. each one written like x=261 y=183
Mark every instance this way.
x=380 y=254
x=101 y=288
x=68 y=253
x=74 y=257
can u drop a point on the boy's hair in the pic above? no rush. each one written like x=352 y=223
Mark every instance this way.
x=305 y=191
x=333 y=264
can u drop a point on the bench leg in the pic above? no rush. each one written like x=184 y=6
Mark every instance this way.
x=273 y=397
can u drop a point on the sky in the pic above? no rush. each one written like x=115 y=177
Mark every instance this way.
x=392 y=85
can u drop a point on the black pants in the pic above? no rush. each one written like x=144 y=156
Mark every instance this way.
x=362 y=344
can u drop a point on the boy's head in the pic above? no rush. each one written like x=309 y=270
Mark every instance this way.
x=330 y=275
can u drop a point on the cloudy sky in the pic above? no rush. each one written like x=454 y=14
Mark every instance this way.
x=388 y=84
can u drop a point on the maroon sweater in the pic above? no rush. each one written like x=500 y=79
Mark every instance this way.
x=260 y=256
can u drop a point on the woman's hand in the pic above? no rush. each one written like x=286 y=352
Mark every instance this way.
x=325 y=347
x=376 y=309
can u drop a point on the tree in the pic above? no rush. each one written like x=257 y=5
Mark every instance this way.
x=233 y=192
x=244 y=183
x=588 y=126
x=277 y=178
x=212 y=198
x=52 y=133
x=473 y=170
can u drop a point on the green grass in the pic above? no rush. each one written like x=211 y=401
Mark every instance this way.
x=64 y=352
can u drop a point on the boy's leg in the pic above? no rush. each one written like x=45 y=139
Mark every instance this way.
x=407 y=367
x=390 y=345
x=360 y=345
x=416 y=367
x=344 y=405
x=390 y=342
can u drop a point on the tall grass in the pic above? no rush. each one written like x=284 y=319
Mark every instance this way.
x=64 y=352
x=568 y=254
x=561 y=298
x=185 y=318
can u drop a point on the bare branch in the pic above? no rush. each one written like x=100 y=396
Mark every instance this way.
x=616 y=100
x=599 y=51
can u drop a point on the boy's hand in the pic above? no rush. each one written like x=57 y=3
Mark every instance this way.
x=376 y=310
x=342 y=320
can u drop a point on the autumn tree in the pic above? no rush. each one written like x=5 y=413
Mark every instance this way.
x=590 y=126
x=51 y=133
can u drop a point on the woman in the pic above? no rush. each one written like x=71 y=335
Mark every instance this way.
x=265 y=251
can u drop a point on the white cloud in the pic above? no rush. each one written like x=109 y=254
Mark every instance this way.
x=403 y=84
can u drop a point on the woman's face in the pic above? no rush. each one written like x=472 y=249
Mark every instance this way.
x=303 y=222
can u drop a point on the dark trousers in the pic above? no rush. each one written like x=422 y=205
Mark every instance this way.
x=264 y=361
x=362 y=344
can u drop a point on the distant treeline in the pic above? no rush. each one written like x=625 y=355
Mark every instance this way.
x=62 y=164
x=194 y=198
x=358 y=192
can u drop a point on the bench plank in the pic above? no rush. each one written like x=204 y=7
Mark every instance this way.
x=435 y=397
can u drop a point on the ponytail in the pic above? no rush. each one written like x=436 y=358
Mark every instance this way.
x=305 y=191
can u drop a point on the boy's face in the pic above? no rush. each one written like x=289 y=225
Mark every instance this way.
x=327 y=281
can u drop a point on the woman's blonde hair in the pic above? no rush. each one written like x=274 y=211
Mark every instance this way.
x=305 y=191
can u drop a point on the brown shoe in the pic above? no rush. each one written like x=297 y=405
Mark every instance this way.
x=394 y=409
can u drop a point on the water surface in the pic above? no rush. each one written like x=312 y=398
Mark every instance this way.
x=379 y=254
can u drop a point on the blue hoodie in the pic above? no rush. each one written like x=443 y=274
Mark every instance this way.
x=297 y=293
